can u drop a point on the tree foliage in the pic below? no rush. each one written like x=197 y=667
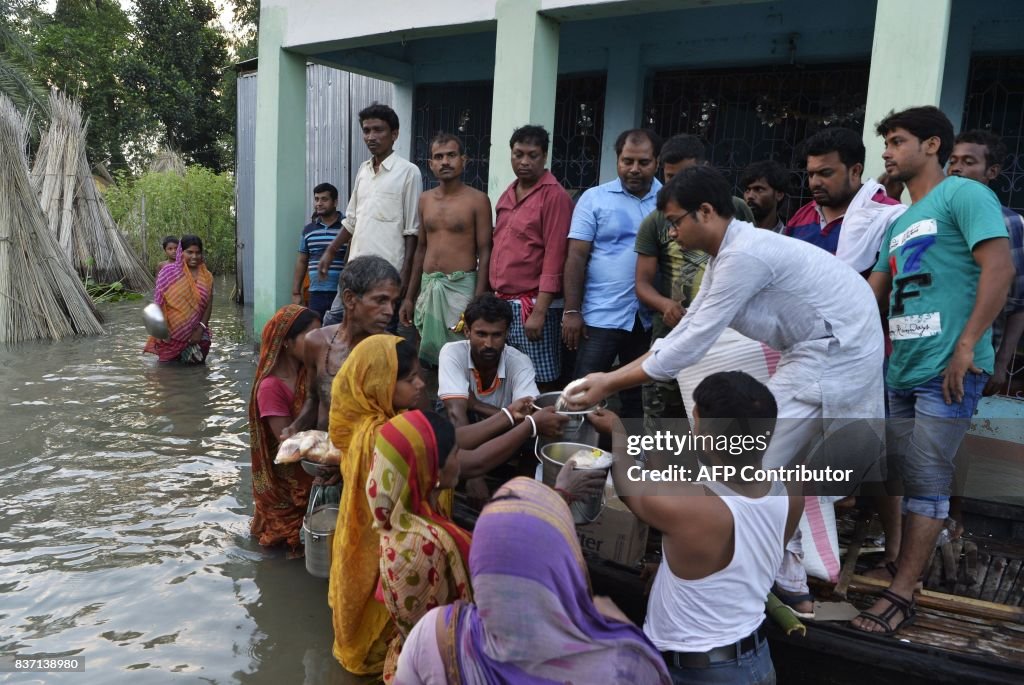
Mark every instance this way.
x=246 y=14
x=167 y=203
x=18 y=80
x=84 y=50
x=177 y=68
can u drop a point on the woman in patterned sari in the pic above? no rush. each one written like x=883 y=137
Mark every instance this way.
x=423 y=554
x=379 y=380
x=184 y=291
x=534 y=619
x=280 y=491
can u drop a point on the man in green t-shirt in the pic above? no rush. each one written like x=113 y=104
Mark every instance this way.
x=943 y=273
x=667 y=276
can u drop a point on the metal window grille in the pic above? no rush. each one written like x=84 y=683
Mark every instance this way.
x=995 y=101
x=753 y=114
x=464 y=109
x=576 y=140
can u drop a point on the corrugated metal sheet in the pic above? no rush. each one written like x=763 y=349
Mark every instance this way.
x=327 y=139
x=364 y=91
x=333 y=137
x=245 y=184
x=334 y=144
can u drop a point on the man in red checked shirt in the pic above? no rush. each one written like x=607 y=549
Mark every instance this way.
x=530 y=238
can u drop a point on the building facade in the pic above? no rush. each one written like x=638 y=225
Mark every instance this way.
x=752 y=77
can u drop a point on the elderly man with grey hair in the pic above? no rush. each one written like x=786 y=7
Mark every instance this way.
x=368 y=288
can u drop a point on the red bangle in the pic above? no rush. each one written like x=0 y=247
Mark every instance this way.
x=565 y=495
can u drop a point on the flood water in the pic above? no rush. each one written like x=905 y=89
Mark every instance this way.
x=126 y=497
x=125 y=494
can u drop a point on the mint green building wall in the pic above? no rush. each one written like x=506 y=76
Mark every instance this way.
x=280 y=159
x=525 y=77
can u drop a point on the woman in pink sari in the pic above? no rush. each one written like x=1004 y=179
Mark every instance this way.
x=184 y=291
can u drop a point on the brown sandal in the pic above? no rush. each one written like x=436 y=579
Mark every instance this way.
x=897 y=604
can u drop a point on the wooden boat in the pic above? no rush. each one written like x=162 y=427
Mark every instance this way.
x=972 y=634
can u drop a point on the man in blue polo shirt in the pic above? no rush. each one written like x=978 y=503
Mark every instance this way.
x=603 y=317
x=316 y=236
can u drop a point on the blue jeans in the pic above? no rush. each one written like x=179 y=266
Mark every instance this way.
x=753 y=668
x=320 y=301
x=923 y=434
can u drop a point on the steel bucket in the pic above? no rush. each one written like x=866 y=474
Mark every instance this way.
x=577 y=430
x=552 y=458
x=318 y=534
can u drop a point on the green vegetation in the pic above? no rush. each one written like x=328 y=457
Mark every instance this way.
x=17 y=55
x=158 y=75
x=83 y=50
x=177 y=67
x=167 y=203
x=109 y=292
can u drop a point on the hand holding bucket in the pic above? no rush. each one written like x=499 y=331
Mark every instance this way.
x=580 y=483
x=554 y=457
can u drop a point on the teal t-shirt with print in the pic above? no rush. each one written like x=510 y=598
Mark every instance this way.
x=928 y=252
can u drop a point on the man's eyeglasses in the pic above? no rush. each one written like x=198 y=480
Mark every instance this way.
x=673 y=223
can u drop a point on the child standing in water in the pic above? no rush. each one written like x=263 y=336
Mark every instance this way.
x=170 y=245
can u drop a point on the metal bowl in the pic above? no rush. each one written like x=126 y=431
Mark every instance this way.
x=550 y=399
x=322 y=470
x=156 y=324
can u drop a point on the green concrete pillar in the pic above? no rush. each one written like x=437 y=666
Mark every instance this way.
x=623 y=102
x=281 y=202
x=402 y=104
x=525 y=77
x=908 y=56
x=956 y=76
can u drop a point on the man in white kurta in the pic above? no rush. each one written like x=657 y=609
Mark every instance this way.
x=815 y=310
x=382 y=217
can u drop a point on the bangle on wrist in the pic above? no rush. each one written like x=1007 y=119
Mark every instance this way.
x=509 y=415
x=565 y=495
x=533 y=424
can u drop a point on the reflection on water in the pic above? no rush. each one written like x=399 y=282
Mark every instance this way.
x=125 y=490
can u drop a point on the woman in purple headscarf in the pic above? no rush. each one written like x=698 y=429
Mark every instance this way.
x=534 y=620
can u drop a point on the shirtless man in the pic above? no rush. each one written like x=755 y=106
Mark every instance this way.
x=369 y=290
x=454 y=237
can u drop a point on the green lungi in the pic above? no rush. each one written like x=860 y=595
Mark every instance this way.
x=443 y=299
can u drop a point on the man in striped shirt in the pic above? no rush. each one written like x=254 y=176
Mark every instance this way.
x=316 y=236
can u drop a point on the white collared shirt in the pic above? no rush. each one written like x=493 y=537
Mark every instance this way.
x=383 y=209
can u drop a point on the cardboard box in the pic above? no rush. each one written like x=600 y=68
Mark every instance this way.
x=617 y=535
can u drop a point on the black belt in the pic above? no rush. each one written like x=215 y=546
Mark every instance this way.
x=716 y=655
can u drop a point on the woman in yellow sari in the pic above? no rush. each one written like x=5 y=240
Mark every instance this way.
x=379 y=380
x=423 y=553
